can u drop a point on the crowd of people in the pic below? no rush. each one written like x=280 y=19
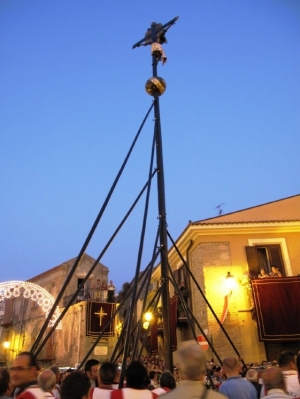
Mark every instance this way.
x=275 y=272
x=147 y=378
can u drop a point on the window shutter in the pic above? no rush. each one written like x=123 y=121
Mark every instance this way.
x=252 y=259
x=275 y=257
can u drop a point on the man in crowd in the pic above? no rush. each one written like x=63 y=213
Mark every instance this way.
x=167 y=383
x=236 y=387
x=192 y=363
x=91 y=369
x=46 y=381
x=111 y=292
x=56 y=390
x=24 y=372
x=153 y=380
x=75 y=386
x=137 y=380
x=274 y=384
x=287 y=364
x=5 y=384
x=252 y=376
x=107 y=374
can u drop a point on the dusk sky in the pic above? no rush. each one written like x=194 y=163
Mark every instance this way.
x=72 y=97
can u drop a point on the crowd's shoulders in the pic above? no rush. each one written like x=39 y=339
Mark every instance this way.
x=131 y=393
x=99 y=393
x=32 y=393
x=187 y=387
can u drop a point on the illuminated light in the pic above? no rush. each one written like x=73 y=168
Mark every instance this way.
x=13 y=289
x=146 y=325
x=148 y=316
x=6 y=344
x=119 y=327
x=230 y=282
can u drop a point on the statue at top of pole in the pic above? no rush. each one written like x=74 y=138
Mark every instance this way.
x=155 y=36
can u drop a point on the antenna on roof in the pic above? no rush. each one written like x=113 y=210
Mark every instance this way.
x=220 y=210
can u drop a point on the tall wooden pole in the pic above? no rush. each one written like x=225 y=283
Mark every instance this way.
x=153 y=37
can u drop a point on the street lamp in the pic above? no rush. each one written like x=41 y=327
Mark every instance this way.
x=230 y=283
x=147 y=318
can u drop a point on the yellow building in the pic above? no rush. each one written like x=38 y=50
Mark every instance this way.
x=241 y=243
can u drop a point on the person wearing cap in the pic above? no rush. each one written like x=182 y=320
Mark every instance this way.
x=217 y=377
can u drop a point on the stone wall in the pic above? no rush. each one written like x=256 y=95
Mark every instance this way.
x=210 y=262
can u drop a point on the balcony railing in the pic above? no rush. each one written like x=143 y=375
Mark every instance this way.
x=91 y=294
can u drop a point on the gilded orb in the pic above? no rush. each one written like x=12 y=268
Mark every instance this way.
x=155 y=86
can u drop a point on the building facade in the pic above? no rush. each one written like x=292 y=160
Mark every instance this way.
x=239 y=243
x=23 y=317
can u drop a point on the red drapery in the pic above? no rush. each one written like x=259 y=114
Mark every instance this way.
x=277 y=303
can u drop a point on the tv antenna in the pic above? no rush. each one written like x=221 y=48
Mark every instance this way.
x=219 y=208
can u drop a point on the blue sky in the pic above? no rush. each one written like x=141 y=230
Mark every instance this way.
x=72 y=99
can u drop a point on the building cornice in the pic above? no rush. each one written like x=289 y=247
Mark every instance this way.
x=193 y=231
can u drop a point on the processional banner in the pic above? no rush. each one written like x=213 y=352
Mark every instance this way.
x=97 y=316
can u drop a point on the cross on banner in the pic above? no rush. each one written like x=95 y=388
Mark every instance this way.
x=97 y=317
x=101 y=313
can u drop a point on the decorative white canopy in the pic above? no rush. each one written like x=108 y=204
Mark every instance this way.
x=13 y=289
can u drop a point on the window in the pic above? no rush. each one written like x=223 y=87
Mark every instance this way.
x=263 y=257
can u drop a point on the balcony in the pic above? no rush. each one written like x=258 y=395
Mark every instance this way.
x=90 y=294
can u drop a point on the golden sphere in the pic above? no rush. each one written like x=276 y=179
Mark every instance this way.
x=155 y=86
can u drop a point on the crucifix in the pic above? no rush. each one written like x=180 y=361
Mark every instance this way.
x=101 y=313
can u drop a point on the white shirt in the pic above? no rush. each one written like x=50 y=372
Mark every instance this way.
x=100 y=393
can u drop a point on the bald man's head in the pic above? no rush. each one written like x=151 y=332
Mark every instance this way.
x=47 y=380
x=273 y=378
x=231 y=366
x=252 y=375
